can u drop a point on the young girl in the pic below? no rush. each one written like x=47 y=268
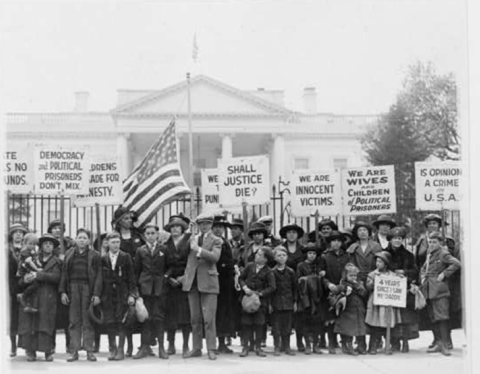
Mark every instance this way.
x=29 y=263
x=376 y=314
x=351 y=321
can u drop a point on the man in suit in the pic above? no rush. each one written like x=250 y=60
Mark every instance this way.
x=201 y=283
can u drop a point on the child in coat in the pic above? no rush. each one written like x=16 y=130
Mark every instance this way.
x=376 y=316
x=284 y=302
x=351 y=321
x=256 y=278
x=29 y=263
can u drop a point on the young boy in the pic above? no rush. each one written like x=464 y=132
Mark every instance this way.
x=309 y=295
x=149 y=265
x=29 y=263
x=439 y=266
x=256 y=278
x=284 y=302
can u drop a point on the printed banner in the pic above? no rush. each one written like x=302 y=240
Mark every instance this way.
x=62 y=170
x=18 y=169
x=437 y=185
x=390 y=290
x=105 y=183
x=369 y=190
x=244 y=179
x=210 y=199
x=315 y=190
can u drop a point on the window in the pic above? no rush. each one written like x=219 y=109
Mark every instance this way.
x=340 y=163
x=301 y=163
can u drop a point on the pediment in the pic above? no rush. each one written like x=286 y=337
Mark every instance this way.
x=208 y=97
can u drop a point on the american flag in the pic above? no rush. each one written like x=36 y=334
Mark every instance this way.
x=157 y=180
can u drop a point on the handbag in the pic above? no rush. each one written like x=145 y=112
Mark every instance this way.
x=251 y=303
x=140 y=310
x=420 y=301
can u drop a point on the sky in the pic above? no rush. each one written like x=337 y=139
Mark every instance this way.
x=355 y=52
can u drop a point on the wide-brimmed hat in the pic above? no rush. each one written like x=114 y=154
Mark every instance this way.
x=359 y=224
x=237 y=222
x=176 y=221
x=291 y=227
x=311 y=247
x=433 y=217
x=347 y=233
x=385 y=256
x=48 y=238
x=204 y=217
x=120 y=213
x=265 y=219
x=95 y=313
x=384 y=219
x=327 y=222
x=335 y=235
x=181 y=216
x=54 y=223
x=257 y=227
x=220 y=220
x=395 y=232
x=17 y=227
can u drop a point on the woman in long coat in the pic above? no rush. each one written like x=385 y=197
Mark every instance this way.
x=403 y=262
x=176 y=256
x=15 y=238
x=36 y=329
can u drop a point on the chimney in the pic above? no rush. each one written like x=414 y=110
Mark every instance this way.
x=310 y=100
x=81 y=101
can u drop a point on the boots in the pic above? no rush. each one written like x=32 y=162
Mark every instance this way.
x=300 y=345
x=308 y=344
x=405 y=347
x=247 y=337
x=444 y=335
x=286 y=342
x=331 y=340
x=186 y=336
x=258 y=341
x=373 y=344
x=129 y=345
x=13 y=342
x=276 y=344
x=171 y=342
x=222 y=347
x=112 y=345
x=120 y=355
x=160 y=337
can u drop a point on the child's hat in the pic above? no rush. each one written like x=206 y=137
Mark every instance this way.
x=385 y=256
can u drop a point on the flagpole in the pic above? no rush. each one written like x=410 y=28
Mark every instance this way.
x=190 y=145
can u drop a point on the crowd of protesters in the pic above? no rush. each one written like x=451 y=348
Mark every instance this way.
x=218 y=281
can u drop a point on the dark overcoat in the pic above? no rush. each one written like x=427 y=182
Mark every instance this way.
x=226 y=302
x=364 y=260
x=13 y=287
x=149 y=270
x=351 y=321
x=294 y=258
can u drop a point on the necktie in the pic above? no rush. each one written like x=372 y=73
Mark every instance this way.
x=200 y=240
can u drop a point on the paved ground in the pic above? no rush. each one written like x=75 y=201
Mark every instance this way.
x=417 y=361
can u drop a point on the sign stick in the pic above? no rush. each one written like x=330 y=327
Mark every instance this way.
x=388 y=347
x=317 y=233
x=245 y=223
x=444 y=216
x=62 y=225
x=99 y=233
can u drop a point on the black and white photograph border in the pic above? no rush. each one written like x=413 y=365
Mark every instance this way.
x=314 y=85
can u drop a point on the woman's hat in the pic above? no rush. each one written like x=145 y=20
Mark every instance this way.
x=17 y=227
x=48 y=238
x=347 y=233
x=237 y=222
x=120 y=213
x=385 y=256
x=181 y=216
x=433 y=217
x=395 y=232
x=384 y=219
x=176 y=221
x=257 y=227
x=335 y=235
x=359 y=224
x=220 y=220
x=54 y=223
x=265 y=220
x=95 y=313
x=327 y=222
x=204 y=217
x=311 y=247
x=291 y=227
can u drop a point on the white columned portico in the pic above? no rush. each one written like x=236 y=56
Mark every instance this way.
x=227 y=145
x=277 y=155
x=124 y=153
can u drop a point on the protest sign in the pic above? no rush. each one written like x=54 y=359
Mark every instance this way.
x=369 y=190
x=18 y=169
x=105 y=183
x=244 y=179
x=315 y=190
x=210 y=199
x=390 y=290
x=437 y=185
x=61 y=169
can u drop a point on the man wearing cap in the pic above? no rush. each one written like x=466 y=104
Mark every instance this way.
x=15 y=238
x=270 y=239
x=433 y=223
x=201 y=283
x=119 y=291
x=383 y=225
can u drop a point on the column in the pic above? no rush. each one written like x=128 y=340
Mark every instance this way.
x=124 y=153
x=277 y=158
x=227 y=146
